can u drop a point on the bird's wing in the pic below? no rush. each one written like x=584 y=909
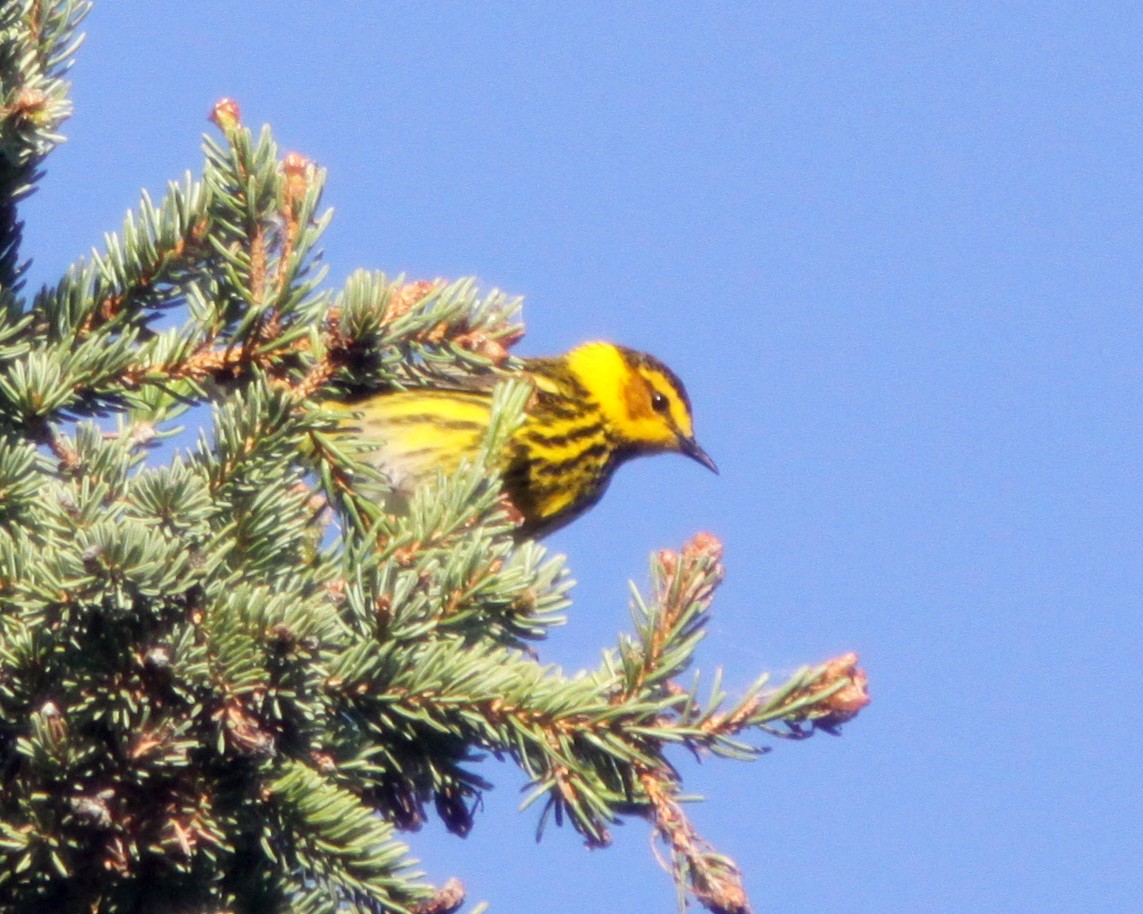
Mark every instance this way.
x=419 y=432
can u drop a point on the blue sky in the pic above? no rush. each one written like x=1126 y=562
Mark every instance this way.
x=894 y=251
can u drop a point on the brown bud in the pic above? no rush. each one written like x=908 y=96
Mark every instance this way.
x=482 y=344
x=850 y=698
x=225 y=115
x=405 y=298
x=298 y=171
x=703 y=545
x=244 y=731
x=29 y=105
x=324 y=762
x=445 y=900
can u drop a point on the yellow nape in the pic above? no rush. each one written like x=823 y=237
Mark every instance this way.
x=642 y=402
x=602 y=369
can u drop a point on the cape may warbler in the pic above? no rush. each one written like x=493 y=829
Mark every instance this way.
x=592 y=409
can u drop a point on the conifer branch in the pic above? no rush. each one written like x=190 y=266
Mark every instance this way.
x=712 y=878
x=228 y=677
x=38 y=41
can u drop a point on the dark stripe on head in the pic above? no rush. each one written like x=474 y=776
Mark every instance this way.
x=642 y=360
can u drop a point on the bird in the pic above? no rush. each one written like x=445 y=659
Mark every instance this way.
x=591 y=409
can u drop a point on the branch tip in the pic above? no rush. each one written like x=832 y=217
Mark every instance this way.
x=712 y=878
x=445 y=900
x=853 y=695
x=225 y=115
x=298 y=171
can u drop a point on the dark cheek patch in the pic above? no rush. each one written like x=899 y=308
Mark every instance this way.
x=637 y=398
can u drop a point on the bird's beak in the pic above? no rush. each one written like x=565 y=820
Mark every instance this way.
x=691 y=448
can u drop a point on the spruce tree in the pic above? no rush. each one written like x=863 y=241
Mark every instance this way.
x=228 y=679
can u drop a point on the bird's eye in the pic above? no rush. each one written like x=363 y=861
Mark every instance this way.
x=658 y=402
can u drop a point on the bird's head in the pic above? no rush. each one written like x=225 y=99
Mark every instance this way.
x=643 y=402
